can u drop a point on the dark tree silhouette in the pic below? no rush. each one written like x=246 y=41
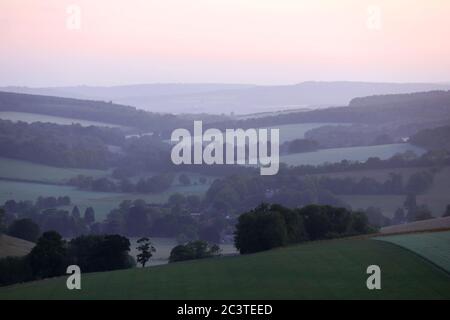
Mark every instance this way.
x=146 y=250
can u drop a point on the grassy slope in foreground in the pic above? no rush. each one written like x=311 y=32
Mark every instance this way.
x=433 y=246
x=329 y=270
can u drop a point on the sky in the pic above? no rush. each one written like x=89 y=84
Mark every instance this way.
x=111 y=42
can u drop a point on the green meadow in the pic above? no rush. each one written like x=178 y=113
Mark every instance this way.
x=25 y=170
x=102 y=202
x=436 y=198
x=352 y=154
x=321 y=270
x=23 y=180
x=35 y=117
x=433 y=246
x=289 y=132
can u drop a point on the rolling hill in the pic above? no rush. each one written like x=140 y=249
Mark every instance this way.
x=323 y=270
x=433 y=246
x=11 y=246
x=226 y=98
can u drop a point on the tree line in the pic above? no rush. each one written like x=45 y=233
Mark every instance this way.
x=271 y=226
x=52 y=254
x=27 y=219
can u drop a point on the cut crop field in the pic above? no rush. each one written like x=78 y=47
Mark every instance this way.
x=11 y=246
x=35 y=117
x=25 y=170
x=320 y=270
x=352 y=154
x=433 y=246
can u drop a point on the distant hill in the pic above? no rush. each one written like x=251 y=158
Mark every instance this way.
x=430 y=108
x=10 y=246
x=88 y=110
x=227 y=98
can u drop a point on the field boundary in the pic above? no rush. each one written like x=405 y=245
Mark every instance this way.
x=418 y=255
x=32 y=181
x=440 y=223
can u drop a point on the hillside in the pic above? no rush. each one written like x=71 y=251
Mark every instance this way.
x=433 y=246
x=399 y=113
x=326 y=270
x=237 y=98
x=92 y=110
x=10 y=246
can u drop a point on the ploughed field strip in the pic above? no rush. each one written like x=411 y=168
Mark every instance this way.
x=333 y=269
x=433 y=246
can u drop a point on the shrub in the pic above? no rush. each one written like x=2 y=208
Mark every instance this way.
x=194 y=250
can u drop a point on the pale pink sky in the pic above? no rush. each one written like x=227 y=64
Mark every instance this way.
x=245 y=41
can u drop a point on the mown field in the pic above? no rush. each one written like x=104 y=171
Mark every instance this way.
x=352 y=153
x=35 y=117
x=25 y=170
x=433 y=246
x=320 y=270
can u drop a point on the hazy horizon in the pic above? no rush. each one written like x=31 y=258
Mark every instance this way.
x=130 y=84
x=264 y=42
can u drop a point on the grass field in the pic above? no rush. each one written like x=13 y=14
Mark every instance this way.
x=102 y=202
x=321 y=270
x=352 y=154
x=35 y=117
x=289 y=132
x=436 y=198
x=10 y=246
x=379 y=175
x=433 y=246
x=24 y=170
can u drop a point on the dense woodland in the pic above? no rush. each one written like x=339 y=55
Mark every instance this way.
x=61 y=146
x=271 y=226
x=433 y=139
x=89 y=110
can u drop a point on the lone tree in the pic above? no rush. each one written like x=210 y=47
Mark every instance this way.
x=146 y=250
